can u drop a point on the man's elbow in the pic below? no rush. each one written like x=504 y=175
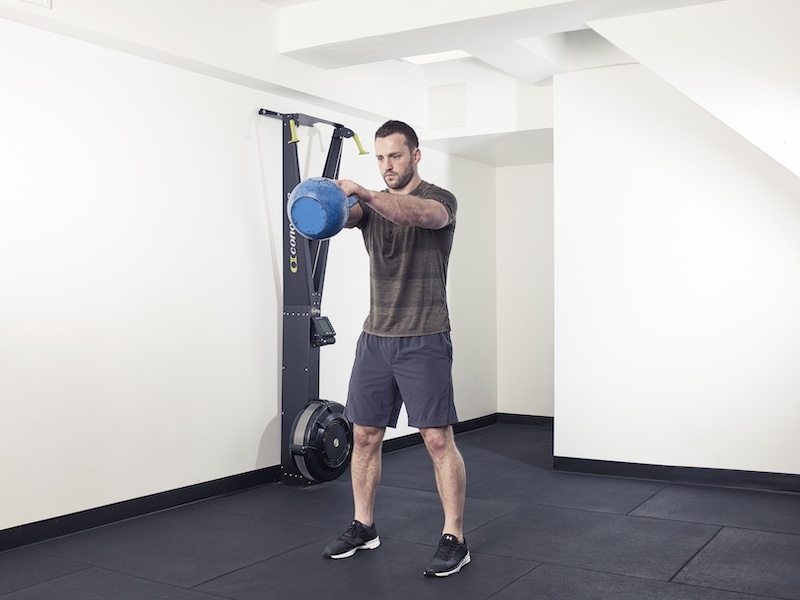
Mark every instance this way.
x=435 y=218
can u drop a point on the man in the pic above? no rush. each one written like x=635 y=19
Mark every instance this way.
x=404 y=353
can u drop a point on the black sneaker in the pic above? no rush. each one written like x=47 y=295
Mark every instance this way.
x=357 y=537
x=450 y=556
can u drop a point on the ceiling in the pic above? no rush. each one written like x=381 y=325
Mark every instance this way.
x=533 y=146
x=529 y=41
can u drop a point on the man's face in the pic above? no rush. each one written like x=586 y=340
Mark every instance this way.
x=396 y=162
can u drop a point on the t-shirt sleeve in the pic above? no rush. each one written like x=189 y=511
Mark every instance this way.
x=444 y=197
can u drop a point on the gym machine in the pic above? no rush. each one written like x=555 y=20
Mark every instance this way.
x=316 y=436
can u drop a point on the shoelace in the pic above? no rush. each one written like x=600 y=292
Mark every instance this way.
x=446 y=549
x=353 y=531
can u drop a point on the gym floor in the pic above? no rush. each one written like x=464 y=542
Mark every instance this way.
x=532 y=533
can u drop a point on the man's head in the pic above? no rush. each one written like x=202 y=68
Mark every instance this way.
x=392 y=127
x=397 y=151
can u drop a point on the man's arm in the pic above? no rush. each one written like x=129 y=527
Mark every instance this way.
x=356 y=212
x=398 y=208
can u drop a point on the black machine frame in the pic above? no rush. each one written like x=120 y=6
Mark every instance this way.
x=316 y=436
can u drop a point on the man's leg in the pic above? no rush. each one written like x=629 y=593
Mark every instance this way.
x=365 y=470
x=451 y=477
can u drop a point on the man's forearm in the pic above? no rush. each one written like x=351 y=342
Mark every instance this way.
x=401 y=209
x=408 y=210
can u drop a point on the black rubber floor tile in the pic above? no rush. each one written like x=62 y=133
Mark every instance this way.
x=506 y=434
x=593 y=540
x=415 y=470
x=393 y=571
x=753 y=562
x=98 y=584
x=183 y=547
x=271 y=500
x=405 y=468
x=746 y=509
x=402 y=514
x=515 y=444
x=23 y=568
x=331 y=509
x=535 y=486
x=551 y=582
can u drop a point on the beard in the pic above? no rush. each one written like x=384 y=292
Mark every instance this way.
x=402 y=178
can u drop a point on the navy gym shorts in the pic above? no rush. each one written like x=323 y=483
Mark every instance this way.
x=391 y=371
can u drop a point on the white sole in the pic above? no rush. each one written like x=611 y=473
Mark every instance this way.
x=370 y=545
x=456 y=569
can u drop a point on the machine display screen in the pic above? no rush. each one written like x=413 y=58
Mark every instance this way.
x=324 y=325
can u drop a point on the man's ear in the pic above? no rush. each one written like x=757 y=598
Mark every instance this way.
x=416 y=155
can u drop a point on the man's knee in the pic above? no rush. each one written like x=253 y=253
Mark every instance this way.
x=438 y=440
x=367 y=438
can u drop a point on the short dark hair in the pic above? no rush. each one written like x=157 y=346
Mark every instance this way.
x=392 y=127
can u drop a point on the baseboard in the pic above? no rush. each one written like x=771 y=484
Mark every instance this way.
x=531 y=421
x=776 y=482
x=32 y=533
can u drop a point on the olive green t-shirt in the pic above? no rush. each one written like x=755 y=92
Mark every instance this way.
x=408 y=271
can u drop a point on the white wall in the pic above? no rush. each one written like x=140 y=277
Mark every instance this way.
x=735 y=59
x=137 y=306
x=525 y=290
x=140 y=273
x=472 y=283
x=677 y=248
